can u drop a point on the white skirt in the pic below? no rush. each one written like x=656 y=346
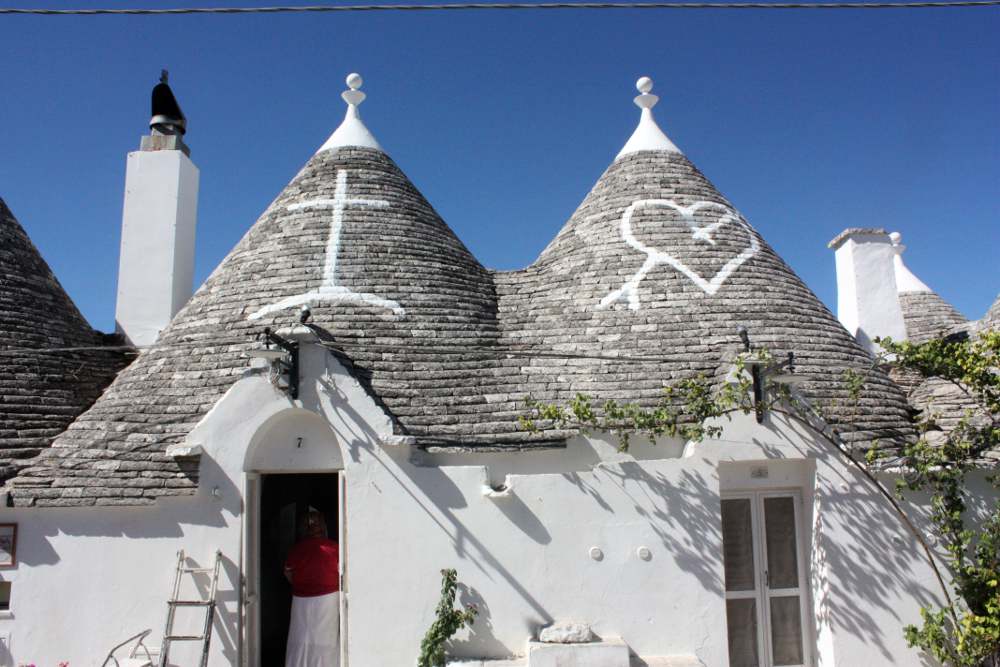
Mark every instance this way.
x=314 y=632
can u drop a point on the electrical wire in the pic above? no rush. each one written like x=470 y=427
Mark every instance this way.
x=342 y=344
x=85 y=348
x=466 y=6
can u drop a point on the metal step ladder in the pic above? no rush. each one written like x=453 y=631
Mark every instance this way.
x=174 y=602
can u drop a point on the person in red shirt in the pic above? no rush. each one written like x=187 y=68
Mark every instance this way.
x=312 y=568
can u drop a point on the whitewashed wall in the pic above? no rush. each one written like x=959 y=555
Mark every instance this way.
x=89 y=577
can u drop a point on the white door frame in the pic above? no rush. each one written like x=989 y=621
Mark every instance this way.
x=251 y=573
x=251 y=559
x=342 y=566
x=762 y=591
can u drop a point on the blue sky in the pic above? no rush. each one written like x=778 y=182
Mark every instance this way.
x=808 y=121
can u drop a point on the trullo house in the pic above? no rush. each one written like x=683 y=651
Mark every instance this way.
x=351 y=355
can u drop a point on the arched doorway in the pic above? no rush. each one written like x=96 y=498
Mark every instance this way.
x=293 y=464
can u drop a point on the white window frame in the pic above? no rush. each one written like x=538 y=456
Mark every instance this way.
x=762 y=592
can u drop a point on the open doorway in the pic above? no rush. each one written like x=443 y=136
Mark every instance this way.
x=284 y=500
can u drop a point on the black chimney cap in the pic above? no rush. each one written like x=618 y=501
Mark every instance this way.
x=167 y=115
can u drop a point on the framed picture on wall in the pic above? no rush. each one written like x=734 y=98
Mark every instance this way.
x=8 y=544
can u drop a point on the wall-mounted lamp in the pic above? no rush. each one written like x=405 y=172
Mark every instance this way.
x=283 y=358
x=761 y=370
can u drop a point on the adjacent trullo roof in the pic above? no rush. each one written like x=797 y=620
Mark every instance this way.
x=46 y=380
x=646 y=283
x=991 y=320
x=925 y=314
x=926 y=317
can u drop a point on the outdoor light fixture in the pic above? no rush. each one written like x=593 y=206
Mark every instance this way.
x=786 y=372
x=284 y=361
x=755 y=366
x=783 y=373
x=744 y=336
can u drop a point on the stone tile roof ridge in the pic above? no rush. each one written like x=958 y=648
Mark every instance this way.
x=43 y=385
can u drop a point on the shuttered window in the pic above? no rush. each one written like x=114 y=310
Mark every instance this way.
x=764 y=580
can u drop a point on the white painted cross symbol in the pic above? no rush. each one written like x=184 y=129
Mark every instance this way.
x=329 y=290
x=629 y=291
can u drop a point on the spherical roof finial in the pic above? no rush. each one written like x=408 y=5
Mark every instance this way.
x=353 y=96
x=896 y=238
x=645 y=99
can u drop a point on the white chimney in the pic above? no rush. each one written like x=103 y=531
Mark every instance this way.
x=867 y=297
x=156 y=268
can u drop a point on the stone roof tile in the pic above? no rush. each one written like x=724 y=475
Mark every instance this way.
x=644 y=285
x=46 y=381
x=927 y=316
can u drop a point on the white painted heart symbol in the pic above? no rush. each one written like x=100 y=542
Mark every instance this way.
x=630 y=289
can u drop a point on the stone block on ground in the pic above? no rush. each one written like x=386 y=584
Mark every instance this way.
x=565 y=632
x=610 y=652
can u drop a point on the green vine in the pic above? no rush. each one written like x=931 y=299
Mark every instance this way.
x=447 y=622
x=681 y=412
x=966 y=634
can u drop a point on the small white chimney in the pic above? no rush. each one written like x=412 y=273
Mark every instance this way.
x=156 y=267
x=867 y=296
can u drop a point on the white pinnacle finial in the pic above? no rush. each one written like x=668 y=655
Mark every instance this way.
x=648 y=136
x=352 y=132
x=905 y=280
x=645 y=100
x=354 y=96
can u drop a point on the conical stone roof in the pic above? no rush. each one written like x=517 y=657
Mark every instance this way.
x=927 y=316
x=351 y=237
x=46 y=380
x=657 y=262
x=645 y=284
x=991 y=320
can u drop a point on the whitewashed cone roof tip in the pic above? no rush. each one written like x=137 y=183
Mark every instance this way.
x=647 y=135
x=352 y=131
